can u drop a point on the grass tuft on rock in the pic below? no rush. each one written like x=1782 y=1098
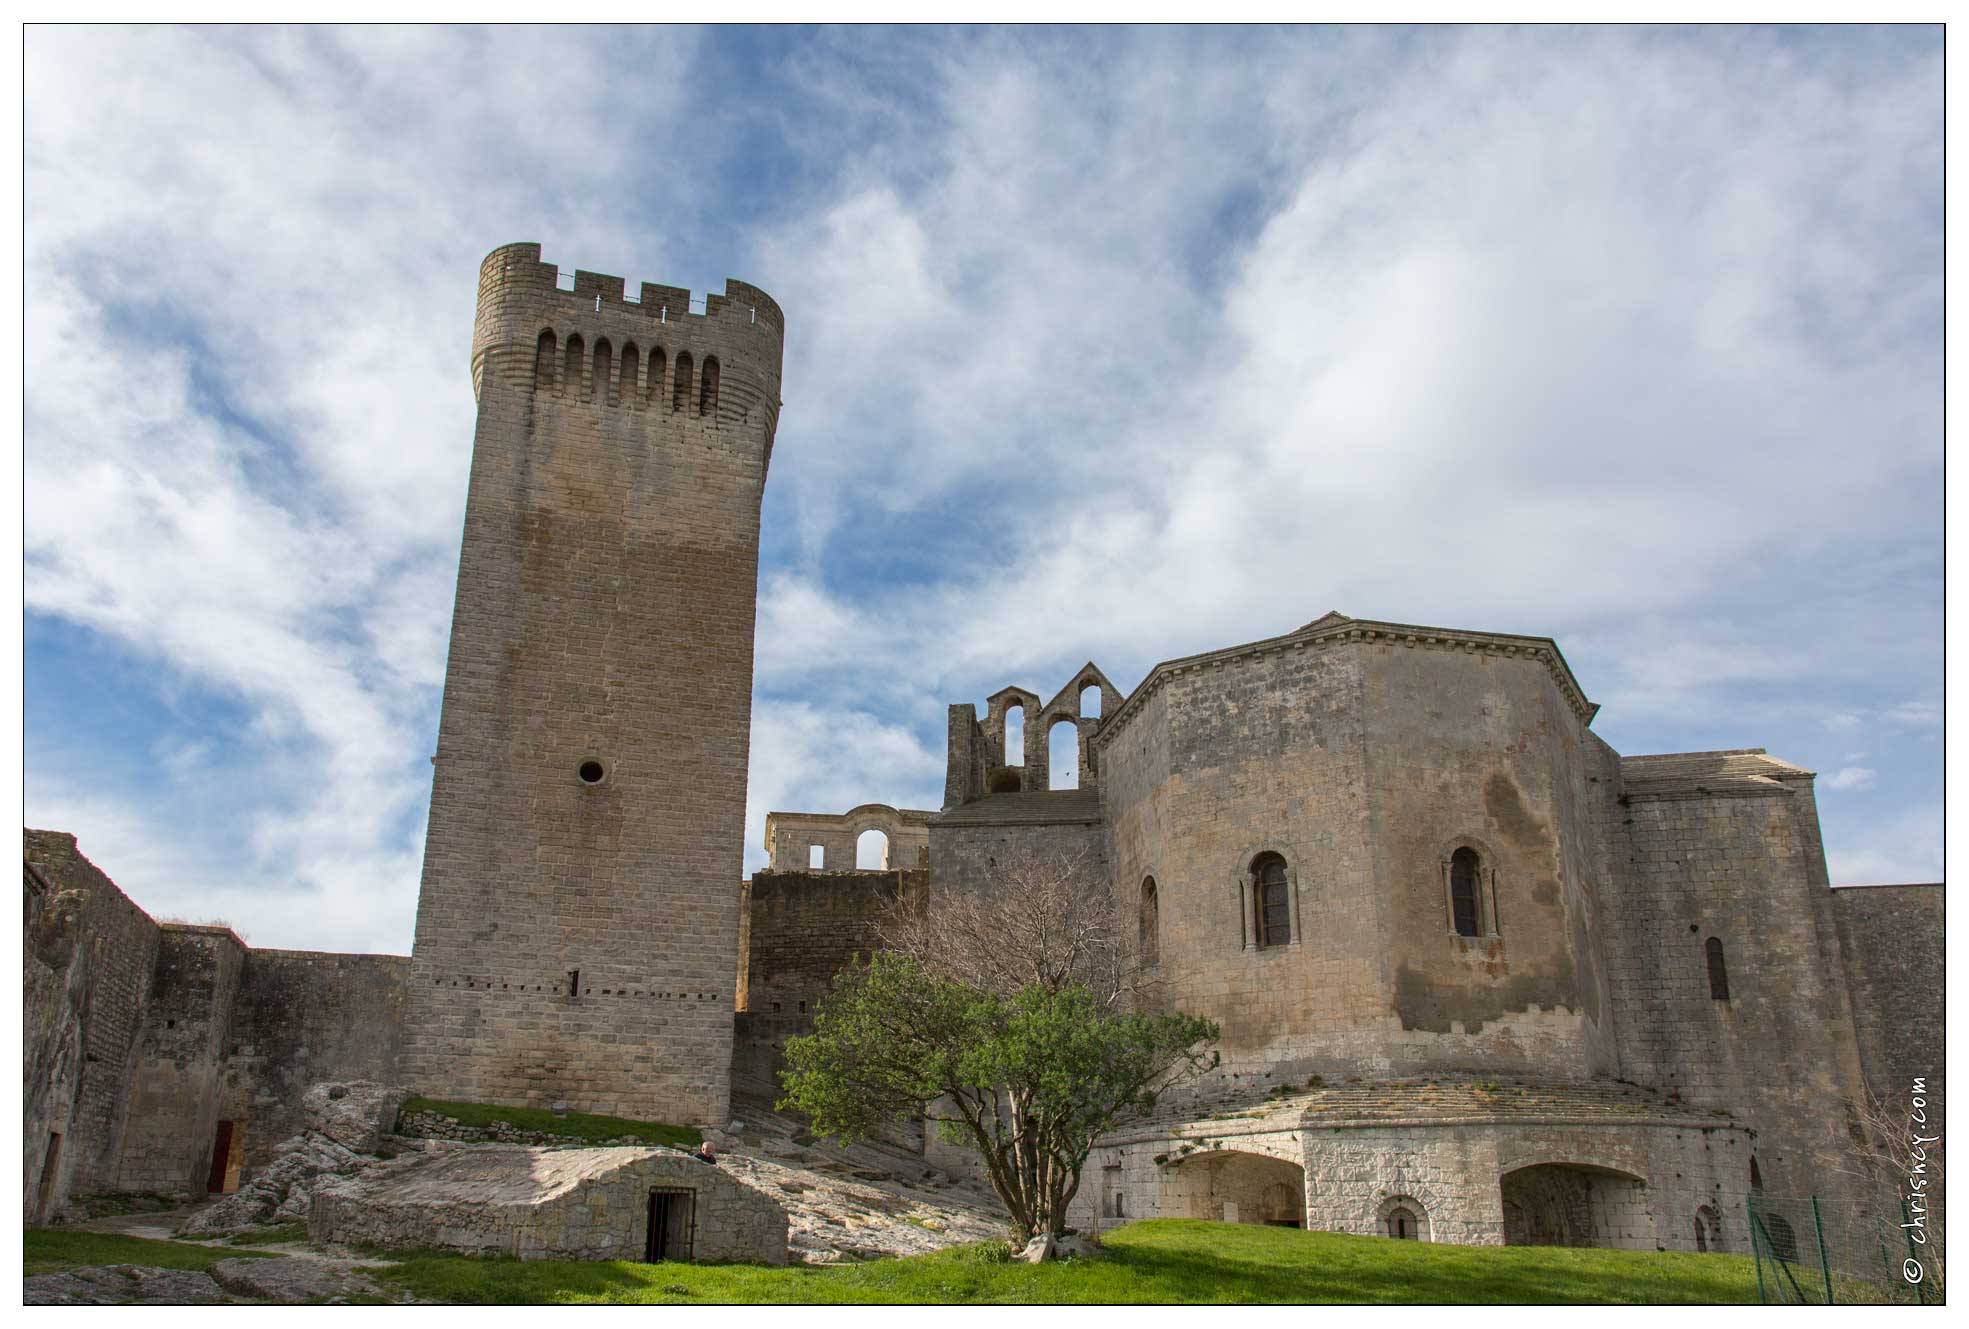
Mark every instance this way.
x=588 y=1126
x=1157 y=1261
x=51 y=1250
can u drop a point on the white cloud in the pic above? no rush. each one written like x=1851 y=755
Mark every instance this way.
x=1555 y=331
x=809 y=758
x=1850 y=777
x=1906 y=848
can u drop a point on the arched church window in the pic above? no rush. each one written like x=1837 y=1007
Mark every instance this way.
x=1151 y=922
x=1271 y=902
x=1465 y=892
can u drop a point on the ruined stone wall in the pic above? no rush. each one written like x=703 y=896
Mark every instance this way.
x=577 y=934
x=972 y=856
x=791 y=836
x=805 y=927
x=1740 y=861
x=1475 y=746
x=87 y=957
x=139 y=1038
x=174 y=1086
x=303 y=1018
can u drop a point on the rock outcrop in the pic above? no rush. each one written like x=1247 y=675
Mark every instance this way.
x=348 y=1128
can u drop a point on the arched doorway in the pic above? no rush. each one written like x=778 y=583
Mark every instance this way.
x=1235 y=1187
x=1571 y=1204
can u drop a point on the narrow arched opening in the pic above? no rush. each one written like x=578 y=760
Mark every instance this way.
x=707 y=396
x=543 y=361
x=602 y=389
x=574 y=368
x=1015 y=734
x=1149 y=922
x=630 y=389
x=1063 y=755
x=653 y=385
x=681 y=397
x=1465 y=874
x=1090 y=701
x=1271 y=900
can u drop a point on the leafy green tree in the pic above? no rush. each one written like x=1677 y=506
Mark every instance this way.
x=1030 y=1080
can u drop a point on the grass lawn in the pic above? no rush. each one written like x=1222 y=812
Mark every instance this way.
x=575 y=1125
x=51 y=1250
x=1162 y=1260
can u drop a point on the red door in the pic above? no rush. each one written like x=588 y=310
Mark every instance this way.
x=221 y=1156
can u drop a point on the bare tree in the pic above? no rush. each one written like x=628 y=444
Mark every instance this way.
x=1048 y=919
x=1896 y=1160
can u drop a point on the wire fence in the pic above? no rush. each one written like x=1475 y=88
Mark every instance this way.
x=1816 y=1252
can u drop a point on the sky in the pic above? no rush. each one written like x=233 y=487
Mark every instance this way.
x=1111 y=344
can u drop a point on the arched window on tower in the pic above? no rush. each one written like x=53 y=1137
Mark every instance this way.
x=573 y=367
x=1465 y=892
x=630 y=390
x=1271 y=901
x=1719 y=978
x=653 y=388
x=1150 y=922
x=602 y=391
x=543 y=362
x=681 y=398
x=707 y=397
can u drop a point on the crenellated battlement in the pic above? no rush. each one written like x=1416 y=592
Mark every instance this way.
x=516 y=272
x=578 y=337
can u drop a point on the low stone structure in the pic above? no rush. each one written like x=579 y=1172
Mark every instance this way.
x=554 y=1204
x=1458 y=1159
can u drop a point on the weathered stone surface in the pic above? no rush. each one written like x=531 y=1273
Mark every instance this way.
x=293 y=1281
x=124 y=1285
x=341 y=1120
x=355 y=1114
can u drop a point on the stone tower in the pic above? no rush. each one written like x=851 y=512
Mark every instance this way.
x=577 y=928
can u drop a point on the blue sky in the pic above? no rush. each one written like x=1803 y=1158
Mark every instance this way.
x=1101 y=343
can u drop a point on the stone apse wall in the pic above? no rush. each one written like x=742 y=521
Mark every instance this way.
x=1364 y=756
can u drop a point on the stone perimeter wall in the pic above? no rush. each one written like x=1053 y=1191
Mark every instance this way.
x=87 y=958
x=140 y=1037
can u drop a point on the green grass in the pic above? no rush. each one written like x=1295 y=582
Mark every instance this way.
x=574 y=1125
x=50 y=1250
x=1162 y=1260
